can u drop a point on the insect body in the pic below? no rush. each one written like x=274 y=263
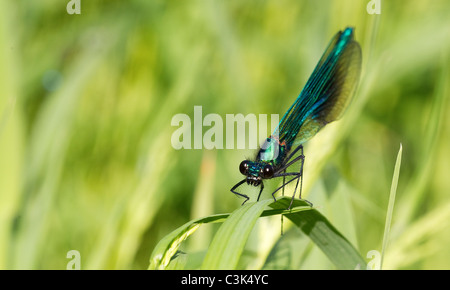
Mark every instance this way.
x=323 y=100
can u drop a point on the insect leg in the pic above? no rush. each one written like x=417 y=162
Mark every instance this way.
x=294 y=160
x=297 y=177
x=300 y=178
x=240 y=194
x=262 y=187
x=299 y=147
x=296 y=174
x=284 y=174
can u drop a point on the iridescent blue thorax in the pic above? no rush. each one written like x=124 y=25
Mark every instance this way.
x=272 y=152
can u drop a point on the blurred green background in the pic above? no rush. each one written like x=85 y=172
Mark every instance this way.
x=86 y=161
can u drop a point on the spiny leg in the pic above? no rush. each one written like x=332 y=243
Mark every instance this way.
x=302 y=158
x=297 y=175
x=262 y=187
x=286 y=165
x=284 y=174
x=240 y=194
x=301 y=182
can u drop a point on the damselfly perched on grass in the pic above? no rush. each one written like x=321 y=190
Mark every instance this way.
x=323 y=100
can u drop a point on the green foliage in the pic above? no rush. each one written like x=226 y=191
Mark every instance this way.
x=390 y=210
x=228 y=243
x=86 y=161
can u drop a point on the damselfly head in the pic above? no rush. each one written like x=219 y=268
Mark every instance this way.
x=266 y=172
x=256 y=171
x=254 y=180
x=244 y=166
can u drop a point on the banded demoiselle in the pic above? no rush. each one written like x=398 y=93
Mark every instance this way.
x=324 y=99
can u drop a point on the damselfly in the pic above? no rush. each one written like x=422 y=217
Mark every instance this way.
x=323 y=100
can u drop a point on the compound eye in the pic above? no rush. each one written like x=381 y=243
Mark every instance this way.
x=267 y=171
x=243 y=167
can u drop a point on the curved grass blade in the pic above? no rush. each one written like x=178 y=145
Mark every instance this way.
x=289 y=252
x=168 y=246
x=332 y=243
x=387 y=226
x=228 y=243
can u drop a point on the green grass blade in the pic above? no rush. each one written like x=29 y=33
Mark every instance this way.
x=167 y=247
x=229 y=242
x=289 y=251
x=332 y=243
x=393 y=192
